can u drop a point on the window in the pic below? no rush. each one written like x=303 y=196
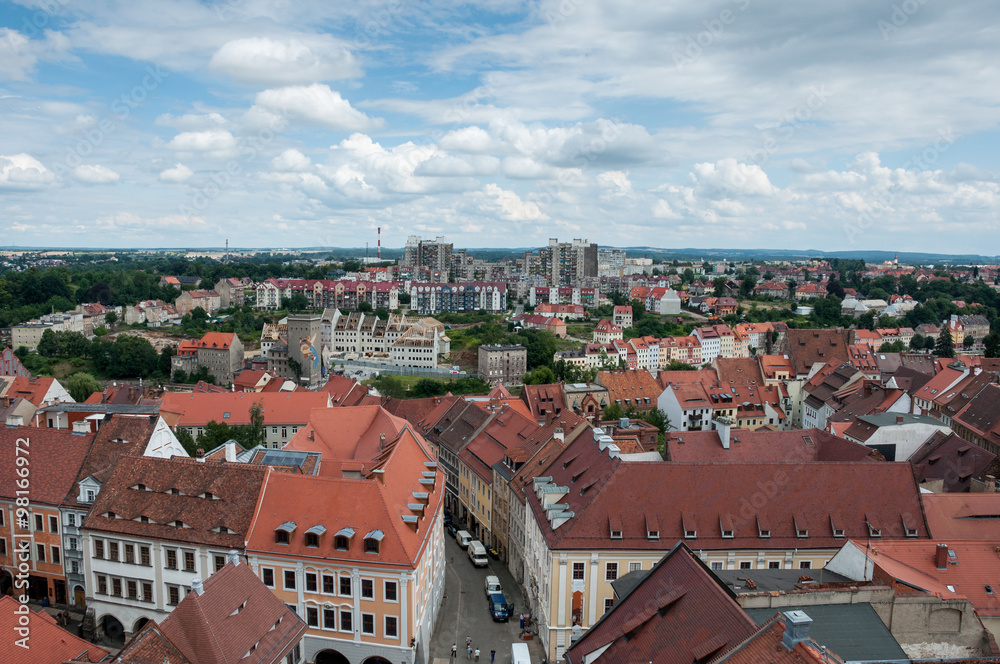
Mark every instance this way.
x=130 y=554
x=634 y=567
x=312 y=582
x=329 y=618
x=774 y=564
x=367 y=623
x=116 y=587
x=341 y=543
x=173 y=595
x=99 y=549
x=805 y=564
x=391 y=591
x=147 y=591
x=579 y=569
x=74 y=566
x=72 y=544
x=345 y=586
x=746 y=564
x=328 y=584
x=102 y=584
x=56 y=558
x=289 y=579
x=220 y=562
x=371 y=545
x=144 y=555
x=40 y=549
x=281 y=537
x=610 y=571
x=312 y=616
x=284 y=432
x=391 y=627
x=171 y=558
x=346 y=620
x=53 y=524
x=91 y=494
x=312 y=540
x=608 y=603
x=39 y=523
x=367 y=589
x=716 y=566
x=133 y=589
x=189 y=561
x=113 y=551
x=267 y=576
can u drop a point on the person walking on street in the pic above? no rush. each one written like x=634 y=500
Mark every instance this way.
x=477 y=654
x=468 y=652
x=454 y=650
x=468 y=641
x=493 y=654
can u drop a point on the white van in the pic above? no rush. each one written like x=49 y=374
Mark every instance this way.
x=493 y=585
x=463 y=538
x=477 y=554
x=519 y=653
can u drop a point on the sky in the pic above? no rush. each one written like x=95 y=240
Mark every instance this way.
x=850 y=125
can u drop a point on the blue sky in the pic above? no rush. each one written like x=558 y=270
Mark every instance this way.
x=726 y=123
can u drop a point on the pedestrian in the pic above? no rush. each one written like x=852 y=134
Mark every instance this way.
x=468 y=652
x=468 y=641
x=454 y=650
x=493 y=654
x=477 y=654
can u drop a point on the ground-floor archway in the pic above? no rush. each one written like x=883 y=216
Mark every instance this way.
x=331 y=657
x=112 y=628
x=79 y=597
x=139 y=624
x=376 y=660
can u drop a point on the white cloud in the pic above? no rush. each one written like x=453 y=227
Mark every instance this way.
x=22 y=171
x=512 y=207
x=316 y=104
x=19 y=54
x=734 y=178
x=616 y=183
x=176 y=174
x=284 y=61
x=192 y=121
x=95 y=174
x=291 y=160
x=214 y=142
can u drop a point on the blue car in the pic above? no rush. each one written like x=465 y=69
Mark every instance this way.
x=499 y=608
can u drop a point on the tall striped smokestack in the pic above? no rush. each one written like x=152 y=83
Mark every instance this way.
x=379 y=244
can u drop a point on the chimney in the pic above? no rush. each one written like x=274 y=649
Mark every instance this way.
x=381 y=441
x=559 y=434
x=230 y=450
x=199 y=455
x=197 y=587
x=941 y=556
x=724 y=425
x=233 y=557
x=899 y=419
x=623 y=423
x=796 y=628
x=991 y=484
x=15 y=420
x=81 y=428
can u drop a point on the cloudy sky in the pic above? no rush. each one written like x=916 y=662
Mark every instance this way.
x=718 y=123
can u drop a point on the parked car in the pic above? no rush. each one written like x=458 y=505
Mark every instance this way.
x=500 y=609
x=464 y=537
x=452 y=530
x=477 y=554
x=493 y=585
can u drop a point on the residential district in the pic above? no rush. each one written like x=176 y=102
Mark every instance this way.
x=571 y=454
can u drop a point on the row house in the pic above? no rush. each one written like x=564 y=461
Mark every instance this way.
x=593 y=516
x=681 y=349
x=156 y=526
x=119 y=435
x=775 y=289
x=327 y=294
x=809 y=291
x=626 y=354
x=155 y=313
x=976 y=327
x=979 y=421
x=563 y=311
x=538 y=322
x=232 y=292
x=586 y=296
x=817 y=393
x=754 y=338
x=188 y=301
x=631 y=389
x=40 y=466
x=358 y=551
x=219 y=352
x=664 y=301
x=433 y=298
x=717 y=341
x=606 y=332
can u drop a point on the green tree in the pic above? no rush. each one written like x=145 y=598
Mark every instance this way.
x=111 y=318
x=295 y=368
x=81 y=385
x=892 y=347
x=945 y=346
x=180 y=376
x=612 y=411
x=187 y=441
x=390 y=386
x=540 y=376
x=917 y=342
x=719 y=286
x=992 y=343
x=255 y=433
x=969 y=342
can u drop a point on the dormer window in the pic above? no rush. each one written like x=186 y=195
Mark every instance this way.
x=373 y=540
x=342 y=540
x=727 y=534
x=175 y=492
x=616 y=534
x=225 y=531
x=111 y=515
x=688 y=522
x=690 y=534
x=208 y=496
x=140 y=487
x=313 y=535
x=874 y=527
x=801 y=529
x=179 y=524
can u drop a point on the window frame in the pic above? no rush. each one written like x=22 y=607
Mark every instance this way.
x=608 y=567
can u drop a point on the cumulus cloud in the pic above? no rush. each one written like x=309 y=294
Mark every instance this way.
x=214 y=142
x=512 y=208
x=284 y=61
x=19 y=55
x=176 y=174
x=192 y=121
x=95 y=174
x=22 y=171
x=316 y=104
x=291 y=160
x=733 y=177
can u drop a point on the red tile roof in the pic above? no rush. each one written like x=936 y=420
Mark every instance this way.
x=765 y=647
x=47 y=642
x=806 y=347
x=678 y=614
x=214 y=340
x=353 y=433
x=631 y=385
x=33 y=389
x=54 y=459
x=234 y=487
x=193 y=410
x=763 y=445
x=739 y=370
x=953 y=460
x=963 y=516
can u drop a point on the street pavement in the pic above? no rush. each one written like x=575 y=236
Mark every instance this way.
x=464 y=612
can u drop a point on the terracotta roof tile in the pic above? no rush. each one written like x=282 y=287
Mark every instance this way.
x=48 y=643
x=54 y=455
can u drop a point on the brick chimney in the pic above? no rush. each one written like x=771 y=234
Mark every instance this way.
x=941 y=556
x=991 y=484
x=899 y=419
x=199 y=455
